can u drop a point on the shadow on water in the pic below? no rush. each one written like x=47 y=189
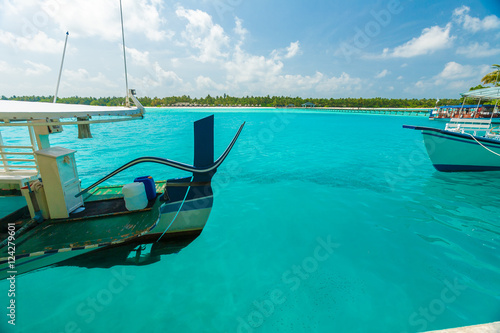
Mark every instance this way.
x=475 y=188
x=468 y=199
x=130 y=254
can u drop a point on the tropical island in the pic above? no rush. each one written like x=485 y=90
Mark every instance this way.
x=248 y=101
x=266 y=101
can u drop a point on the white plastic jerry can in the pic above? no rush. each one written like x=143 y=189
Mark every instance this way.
x=135 y=196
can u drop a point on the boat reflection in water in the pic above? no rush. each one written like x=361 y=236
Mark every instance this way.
x=132 y=254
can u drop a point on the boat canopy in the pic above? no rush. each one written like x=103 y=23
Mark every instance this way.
x=486 y=93
x=15 y=111
x=465 y=106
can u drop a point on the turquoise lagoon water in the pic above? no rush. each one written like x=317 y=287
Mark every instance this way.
x=321 y=223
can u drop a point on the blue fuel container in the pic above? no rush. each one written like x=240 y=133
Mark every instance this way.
x=149 y=184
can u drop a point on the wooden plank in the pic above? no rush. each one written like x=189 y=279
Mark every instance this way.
x=68 y=234
x=17 y=176
x=484 y=328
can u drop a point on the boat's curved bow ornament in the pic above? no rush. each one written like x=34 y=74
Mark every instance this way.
x=203 y=167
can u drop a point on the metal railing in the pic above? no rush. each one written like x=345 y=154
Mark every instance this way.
x=474 y=126
x=18 y=157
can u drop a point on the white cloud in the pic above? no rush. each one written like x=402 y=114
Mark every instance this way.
x=176 y=62
x=154 y=76
x=10 y=8
x=453 y=71
x=454 y=77
x=88 y=18
x=340 y=85
x=430 y=87
x=232 y=68
x=432 y=39
x=383 y=73
x=420 y=84
x=474 y=24
x=246 y=72
x=39 y=42
x=246 y=68
x=292 y=50
x=76 y=77
x=476 y=50
x=304 y=82
x=202 y=34
x=6 y=68
x=166 y=77
x=36 y=69
x=139 y=58
x=145 y=16
x=239 y=30
x=263 y=75
x=205 y=83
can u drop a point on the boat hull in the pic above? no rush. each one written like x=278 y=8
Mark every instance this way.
x=167 y=221
x=57 y=240
x=451 y=152
x=38 y=260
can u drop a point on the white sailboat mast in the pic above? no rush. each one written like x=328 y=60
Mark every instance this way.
x=127 y=102
x=60 y=69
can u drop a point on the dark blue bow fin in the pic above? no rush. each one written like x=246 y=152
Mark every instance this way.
x=204 y=148
x=204 y=142
x=204 y=166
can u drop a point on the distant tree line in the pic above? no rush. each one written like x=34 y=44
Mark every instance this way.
x=226 y=100
x=275 y=101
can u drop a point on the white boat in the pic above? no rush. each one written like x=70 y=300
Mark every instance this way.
x=61 y=221
x=466 y=144
x=472 y=111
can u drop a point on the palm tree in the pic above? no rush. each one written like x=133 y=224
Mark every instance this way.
x=492 y=78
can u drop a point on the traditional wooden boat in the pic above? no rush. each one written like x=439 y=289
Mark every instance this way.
x=465 y=111
x=61 y=222
x=466 y=144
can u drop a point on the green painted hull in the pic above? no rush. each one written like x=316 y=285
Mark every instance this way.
x=104 y=224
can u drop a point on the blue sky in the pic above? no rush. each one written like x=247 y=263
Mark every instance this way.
x=356 y=48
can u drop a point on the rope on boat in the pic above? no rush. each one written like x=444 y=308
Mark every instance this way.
x=491 y=151
x=19 y=232
x=180 y=207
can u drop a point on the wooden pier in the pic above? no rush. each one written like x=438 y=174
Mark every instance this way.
x=387 y=111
